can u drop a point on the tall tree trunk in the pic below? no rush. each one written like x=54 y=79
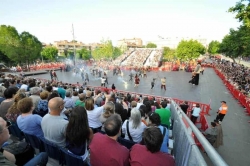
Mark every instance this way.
x=233 y=60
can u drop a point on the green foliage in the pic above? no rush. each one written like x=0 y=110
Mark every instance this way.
x=213 y=47
x=31 y=46
x=151 y=45
x=236 y=43
x=4 y=58
x=116 y=52
x=19 y=48
x=242 y=10
x=168 y=54
x=97 y=53
x=9 y=42
x=188 y=50
x=106 y=50
x=83 y=54
x=49 y=53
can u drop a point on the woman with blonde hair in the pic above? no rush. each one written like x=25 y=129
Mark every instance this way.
x=94 y=113
x=13 y=112
x=109 y=109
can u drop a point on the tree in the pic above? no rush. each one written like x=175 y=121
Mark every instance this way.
x=187 y=50
x=9 y=42
x=151 y=45
x=242 y=10
x=168 y=54
x=49 y=53
x=116 y=52
x=105 y=50
x=30 y=46
x=19 y=48
x=236 y=43
x=4 y=58
x=213 y=47
x=84 y=54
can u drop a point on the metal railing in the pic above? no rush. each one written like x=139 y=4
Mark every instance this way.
x=211 y=152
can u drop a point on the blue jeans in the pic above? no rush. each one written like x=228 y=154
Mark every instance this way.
x=40 y=159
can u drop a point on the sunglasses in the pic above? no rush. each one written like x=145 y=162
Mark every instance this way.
x=62 y=103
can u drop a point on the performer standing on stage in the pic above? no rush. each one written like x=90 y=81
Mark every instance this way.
x=130 y=77
x=197 y=73
x=163 y=83
x=137 y=81
x=54 y=75
x=153 y=83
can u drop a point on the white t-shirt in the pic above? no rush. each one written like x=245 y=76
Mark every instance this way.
x=196 y=111
x=103 y=80
x=136 y=134
x=24 y=86
x=94 y=117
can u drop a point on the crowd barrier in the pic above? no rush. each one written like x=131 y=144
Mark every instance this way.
x=41 y=67
x=238 y=95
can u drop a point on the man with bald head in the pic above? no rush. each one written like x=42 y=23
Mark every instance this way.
x=54 y=125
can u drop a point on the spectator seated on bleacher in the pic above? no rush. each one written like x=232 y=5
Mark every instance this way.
x=42 y=107
x=13 y=112
x=94 y=112
x=35 y=96
x=9 y=94
x=149 y=154
x=68 y=101
x=104 y=149
x=134 y=127
x=54 y=125
x=78 y=133
x=9 y=159
x=27 y=122
x=154 y=120
x=108 y=110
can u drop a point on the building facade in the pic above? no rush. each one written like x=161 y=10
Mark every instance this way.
x=66 y=45
x=130 y=43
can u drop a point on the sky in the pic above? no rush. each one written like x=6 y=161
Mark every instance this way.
x=94 y=20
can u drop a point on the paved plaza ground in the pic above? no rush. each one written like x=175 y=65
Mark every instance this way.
x=235 y=126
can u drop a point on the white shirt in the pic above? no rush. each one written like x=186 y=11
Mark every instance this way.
x=24 y=86
x=103 y=80
x=196 y=111
x=163 y=81
x=94 y=117
x=136 y=134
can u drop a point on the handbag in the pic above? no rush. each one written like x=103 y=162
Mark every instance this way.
x=22 y=151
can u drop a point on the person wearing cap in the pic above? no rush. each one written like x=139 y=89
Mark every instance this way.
x=222 y=111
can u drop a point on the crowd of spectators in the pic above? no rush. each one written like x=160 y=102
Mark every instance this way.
x=137 y=58
x=122 y=57
x=76 y=117
x=237 y=75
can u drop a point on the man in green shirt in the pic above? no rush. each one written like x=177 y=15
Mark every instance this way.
x=164 y=113
x=80 y=101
